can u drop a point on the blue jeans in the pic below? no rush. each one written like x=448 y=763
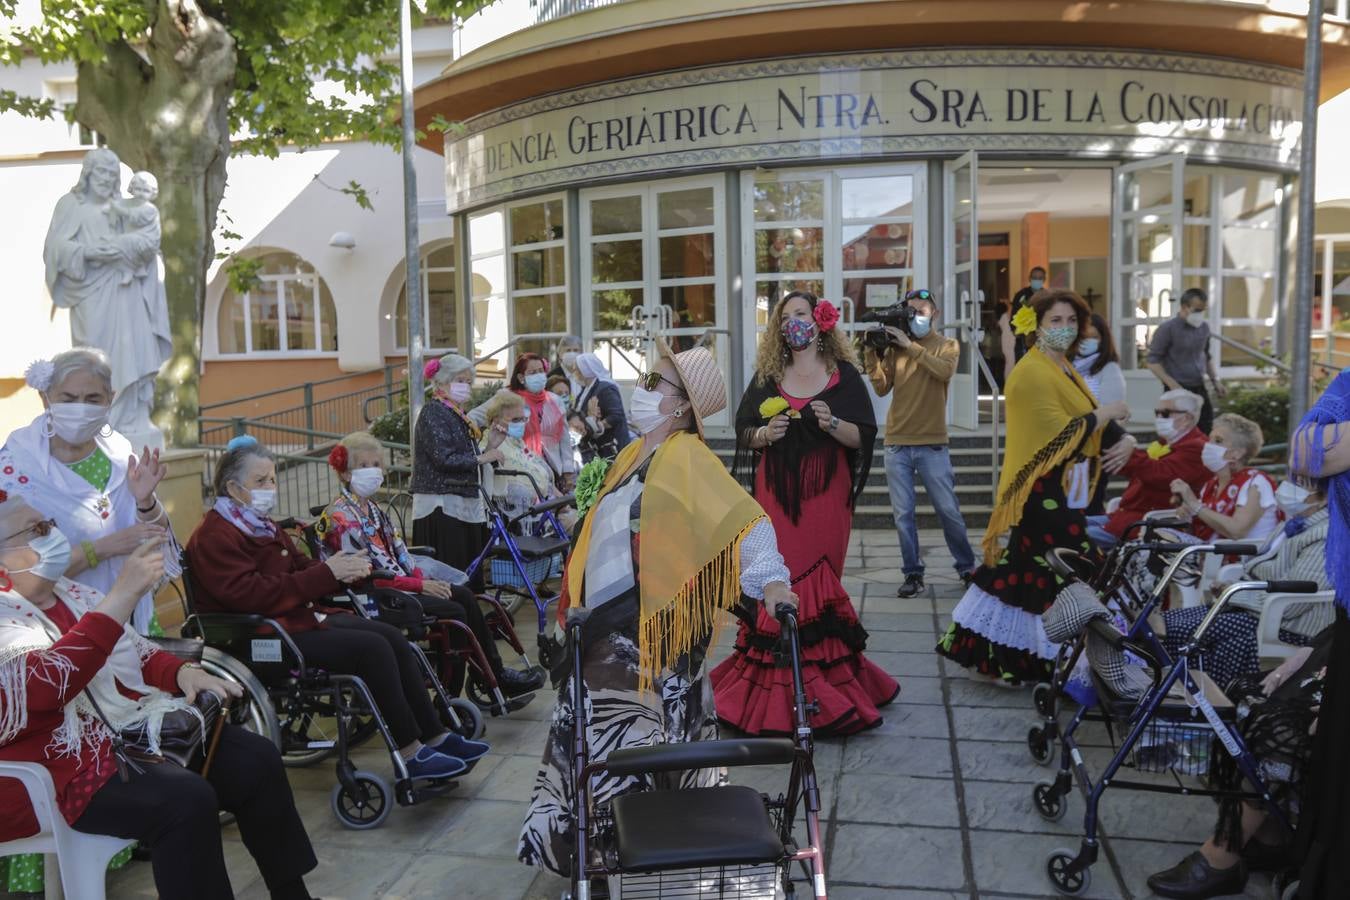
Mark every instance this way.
x=1097 y=533
x=932 y=463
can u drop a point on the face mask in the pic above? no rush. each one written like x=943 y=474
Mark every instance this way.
x=261 y=500
x=645 y=413
x=1059 y=339
x=1037 y=283
x=1195 y=319
x=365 y=481
x=921 y=325
x=799 y=333
x=53 y=556
x=1166 y=428
x=569 y=359
x=76 y=423
x=459 y=392
x=535 y=383
x=515 y=430
x=1214 y=456
x=1089 y=346
x=1292 y=499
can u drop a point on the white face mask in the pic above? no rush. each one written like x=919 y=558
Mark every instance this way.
x=459 y=391
x=77 y=423
x=262 y=500
x=1292 y=499
x=1166 y=428
x=569 y=359
x=645 y=413
x=1195 y=319
x=53 y=556
x=366 y=481
x=1214 y=456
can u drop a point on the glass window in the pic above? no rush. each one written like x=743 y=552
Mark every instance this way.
x=789 y=201
x=616 y=215
x=289 y=309
x=687 y=255
x=1248 y=297
x=440 y=309
x=1340 y=283
x=789 y=249
x=536 y=223
x=538 y=288
x=487 y=288
x=685 y=209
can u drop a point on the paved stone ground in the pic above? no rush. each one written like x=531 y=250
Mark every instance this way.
x=933 y=804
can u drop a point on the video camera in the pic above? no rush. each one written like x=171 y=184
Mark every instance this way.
x=897 y=315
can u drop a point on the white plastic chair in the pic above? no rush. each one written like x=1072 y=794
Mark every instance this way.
x=82 y=858
x=1268 y=643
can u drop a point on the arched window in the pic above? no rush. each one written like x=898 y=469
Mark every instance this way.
x=439 y=310
x=288 y=310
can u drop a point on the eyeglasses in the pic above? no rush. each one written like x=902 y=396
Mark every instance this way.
x=41 y=529
x=920 y=294
x=1169 y=413
x=649 y=381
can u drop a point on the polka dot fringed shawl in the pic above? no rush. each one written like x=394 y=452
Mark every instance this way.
x=1048 y=425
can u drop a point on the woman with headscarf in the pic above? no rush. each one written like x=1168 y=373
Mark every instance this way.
x=70 y=465
x=668 y=541
x=565 y=361
x=599 y=410
x=1050 y=467
x=805 y=432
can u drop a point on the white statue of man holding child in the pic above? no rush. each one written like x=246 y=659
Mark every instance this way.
x=102 y=260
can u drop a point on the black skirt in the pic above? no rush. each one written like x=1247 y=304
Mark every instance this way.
x=1324 y=832
x=455 y=543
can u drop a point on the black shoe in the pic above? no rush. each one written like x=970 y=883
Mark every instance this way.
x=1261 y=857
x=514 y=681
x=1195 y=879
x=912 y=587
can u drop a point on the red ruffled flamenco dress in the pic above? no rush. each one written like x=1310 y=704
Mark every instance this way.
x=751 y=693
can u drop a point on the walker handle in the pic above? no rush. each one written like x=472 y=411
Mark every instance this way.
x=1292 y=587
x=1236 y=548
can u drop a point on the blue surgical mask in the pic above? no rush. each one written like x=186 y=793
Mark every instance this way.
x=1037 y=283
x=536 y=383
x=921 y=325
x=1089 y=346
x=515 y=430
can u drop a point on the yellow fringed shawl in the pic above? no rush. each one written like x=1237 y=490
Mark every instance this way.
x=694 y=515
x=1042 y=399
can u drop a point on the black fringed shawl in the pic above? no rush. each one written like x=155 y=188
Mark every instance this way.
x=800 y=465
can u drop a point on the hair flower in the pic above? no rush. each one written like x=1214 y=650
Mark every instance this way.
x=242 y=440
x=1024 y=322
x=430 y=368
x=826 y=315
x=337 y=458
x=39 y=375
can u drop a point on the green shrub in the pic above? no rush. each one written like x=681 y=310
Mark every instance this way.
x=1266 y=406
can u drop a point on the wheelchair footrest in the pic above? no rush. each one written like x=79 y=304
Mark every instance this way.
x=656 y=830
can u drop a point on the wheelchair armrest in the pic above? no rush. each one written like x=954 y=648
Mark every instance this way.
x=700 y=755
x=421 y=550
x=185 y=648
x=1272 y=614
x=225 y=628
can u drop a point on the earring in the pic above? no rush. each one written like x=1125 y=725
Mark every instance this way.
x=820 y=342
x=106 y=431
x=5 y=583
x=787 y=353
x=49 y=426
x=679 y=413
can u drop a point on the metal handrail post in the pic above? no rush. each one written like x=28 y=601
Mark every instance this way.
x=1307 y=224
x=309 y=413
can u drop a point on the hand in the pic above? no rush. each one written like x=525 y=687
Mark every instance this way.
x=593 y=408
x=492 y=456
x=348 y=567
x=120 y=543
x=438 y=589
x=143 y=569
x=1220 y=390
x=101 y=253
x=567 y=482
x=144 y=477
x=1119 y=411
x=1183 y=490
x=823 y=414
x=193 y=679
x=1272 y=681
x=776 y=592
x=1115 y=458
x=777 y=427
x=898 y=337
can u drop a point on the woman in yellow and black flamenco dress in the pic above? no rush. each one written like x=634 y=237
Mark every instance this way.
x=1050 y=468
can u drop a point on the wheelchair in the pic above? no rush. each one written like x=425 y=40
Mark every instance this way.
x=708 y=843
x=312 y=714
x=1177 y=723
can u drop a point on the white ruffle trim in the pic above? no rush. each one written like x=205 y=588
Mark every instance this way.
x=996 y=621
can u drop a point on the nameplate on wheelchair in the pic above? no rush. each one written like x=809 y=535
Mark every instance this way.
x=265 y=650
x=369 y=605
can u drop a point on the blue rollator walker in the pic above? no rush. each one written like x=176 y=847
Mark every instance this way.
x=1174 y=726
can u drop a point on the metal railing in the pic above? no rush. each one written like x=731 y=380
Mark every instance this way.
x=1265 y=358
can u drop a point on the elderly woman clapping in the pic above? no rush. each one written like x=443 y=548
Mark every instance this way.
x=71 y=466
x=1238 y=503
x=65 y=647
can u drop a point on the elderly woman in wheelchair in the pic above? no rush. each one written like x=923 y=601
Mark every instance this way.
x=76 y=681
x=353 y=523
x=242 y=562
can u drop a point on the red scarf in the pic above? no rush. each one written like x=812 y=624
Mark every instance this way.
x=1225 y=501
x=545 y=420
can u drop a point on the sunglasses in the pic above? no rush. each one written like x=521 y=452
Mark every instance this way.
x=920 y=294
x=41 y=529
x=1169 y=413
x=649 y=381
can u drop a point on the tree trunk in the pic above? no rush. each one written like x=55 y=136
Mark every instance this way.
x=164 y=108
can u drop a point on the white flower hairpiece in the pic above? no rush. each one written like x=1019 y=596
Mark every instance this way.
x=39 y=375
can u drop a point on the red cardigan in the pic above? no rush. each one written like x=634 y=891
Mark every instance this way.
x=1151 y=480
x=86 y=644
x=235 y=573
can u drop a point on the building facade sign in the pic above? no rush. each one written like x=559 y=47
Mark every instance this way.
x=1065 y=103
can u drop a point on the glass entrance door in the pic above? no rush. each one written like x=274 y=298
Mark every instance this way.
x=1146 y=224
x=960 y=294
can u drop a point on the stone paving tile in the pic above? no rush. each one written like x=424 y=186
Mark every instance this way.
x=512 y=780
x=1006 y=806
x=904 y=642
x=898 y=755
x=915 y=689
x=1015 y=863
x=461 y=877
x=999 y=761
x=350 y=875
x=896 y=800
x=882 y=856
x=899 y=622
x=902 y=665
x=850 y=892
x=971 y=693
x=912 y=720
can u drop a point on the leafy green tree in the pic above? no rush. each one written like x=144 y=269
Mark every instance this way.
x=176 y=86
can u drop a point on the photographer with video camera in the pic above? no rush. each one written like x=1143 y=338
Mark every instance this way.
x=911 y=360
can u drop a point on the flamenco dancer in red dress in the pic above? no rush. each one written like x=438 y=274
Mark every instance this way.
x=805 y=432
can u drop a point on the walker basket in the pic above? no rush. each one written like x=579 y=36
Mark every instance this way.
x=751 y=882
x=1185 y=748
x=503 y=572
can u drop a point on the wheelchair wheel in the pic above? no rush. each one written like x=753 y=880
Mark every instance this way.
x=1041 y=745
x=471 y=724
x=365 y=805
x=1043 y=696
x=1049 y=804
x=255 y=711
x=309 y=734
x=1070 y=885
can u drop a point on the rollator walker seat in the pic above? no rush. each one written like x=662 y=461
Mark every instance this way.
x=717 y=826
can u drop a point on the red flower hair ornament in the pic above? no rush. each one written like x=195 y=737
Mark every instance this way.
x=337 y=458
x=430 y=369
x=826 y=315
